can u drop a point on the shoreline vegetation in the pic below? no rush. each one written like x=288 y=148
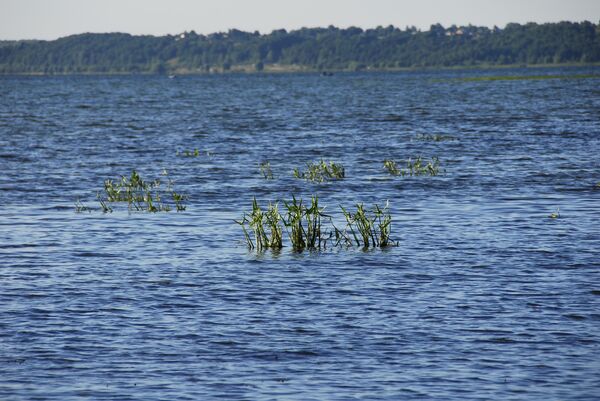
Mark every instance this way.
x=275 y=70
x=308 y=50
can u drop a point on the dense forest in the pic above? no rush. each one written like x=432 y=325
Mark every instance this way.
x=307 y=49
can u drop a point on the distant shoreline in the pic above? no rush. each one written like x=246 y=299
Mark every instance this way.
x=284 y=70
x=309 y=50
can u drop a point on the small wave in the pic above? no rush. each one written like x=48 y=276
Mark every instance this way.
x=93 y=255
x=18 y=246
x=15 y=157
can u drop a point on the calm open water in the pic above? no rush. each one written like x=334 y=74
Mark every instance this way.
x=485 y=297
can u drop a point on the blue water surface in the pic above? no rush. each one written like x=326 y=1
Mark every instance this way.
x=485 y=297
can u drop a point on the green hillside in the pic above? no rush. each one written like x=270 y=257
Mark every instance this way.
x=314 y=49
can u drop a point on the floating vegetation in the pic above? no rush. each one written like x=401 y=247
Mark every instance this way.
x=321 y=171
x=434 y=137
x=141 y=195
x=305 y=229
x=419 y=166
x=265 y=170
x=192 y=153
x=366 y=228
x=555 y=215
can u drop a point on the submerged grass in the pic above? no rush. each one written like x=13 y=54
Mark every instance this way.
x=434 y=137
x=305 y=226
x=265 y=170
x=555 y=215
x=192 y=153
x=321 y=171
x=139 y=195
x=80 y=207
x=416 y=167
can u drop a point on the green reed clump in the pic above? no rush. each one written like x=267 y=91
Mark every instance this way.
x=391 y=167
x=190 y=153
x=434 y=137
x=366 y=228
x=321 y=171
x=179 y=201
x=306 y=226
x=265 y=227
x=303 y=224
x=140 y=195
x=416 y=167
x=265 y=170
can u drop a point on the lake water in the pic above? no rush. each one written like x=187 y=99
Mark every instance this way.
x=485 y=297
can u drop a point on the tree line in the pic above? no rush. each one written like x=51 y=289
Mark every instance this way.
x=307 y=49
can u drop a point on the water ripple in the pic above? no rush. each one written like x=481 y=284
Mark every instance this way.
x=485 y=297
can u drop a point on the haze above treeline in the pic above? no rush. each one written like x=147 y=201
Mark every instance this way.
x=307 y=49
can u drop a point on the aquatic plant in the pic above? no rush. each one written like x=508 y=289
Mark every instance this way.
x=414 y=168
x=80 y=207
x=293 y=222
x=391 y=167
x=418 y=167
x=321 y=171
x=190 y=153
x=265 y=170
x=179 y=201
x=555 y=215
x=304 y=223
x=305 y=229
x=103 y=206
x=140 y=195
x=366 y=228
x=265 y=227
x=434 y=137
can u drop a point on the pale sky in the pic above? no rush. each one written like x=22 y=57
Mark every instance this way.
x=50 y=19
